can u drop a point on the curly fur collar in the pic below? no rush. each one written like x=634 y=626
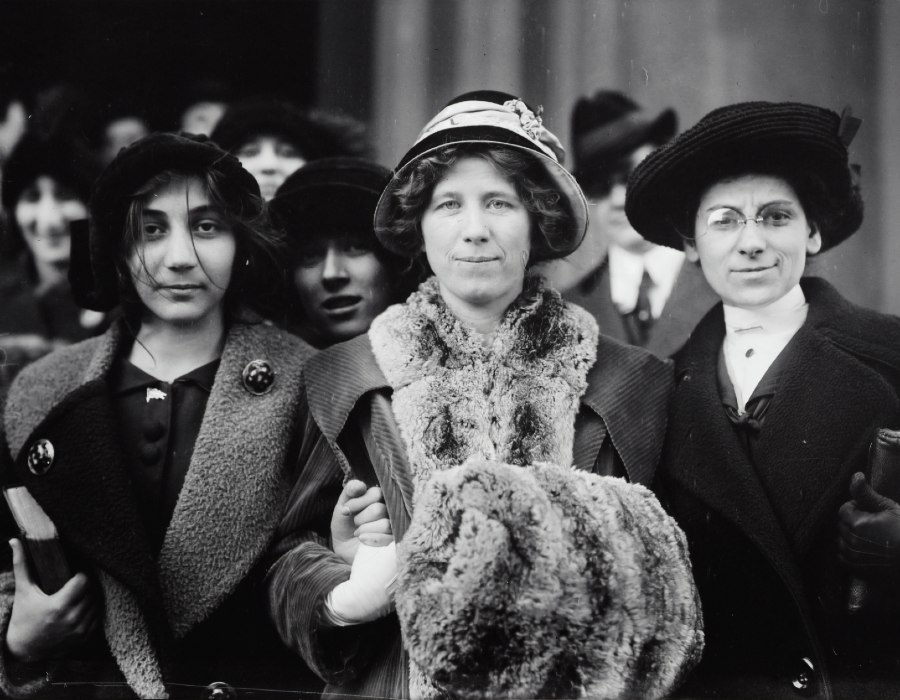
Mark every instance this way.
x=513 y=402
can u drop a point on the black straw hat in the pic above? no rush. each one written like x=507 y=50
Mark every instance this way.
x=97 y=287
x=750 y=138
x=492 y=118
x=328 y=196
x=607 y=126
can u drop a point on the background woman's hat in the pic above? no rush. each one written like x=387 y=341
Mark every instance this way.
x=609 y=125
x=329 y=196
x=494 y=118
x=748 y=137
x=96 y=286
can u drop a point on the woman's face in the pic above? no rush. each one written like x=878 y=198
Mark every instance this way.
x=181 y=265
x=270 y=159
x=477 y=235
x=342 y=286
x=752 y=264
x=43 y=213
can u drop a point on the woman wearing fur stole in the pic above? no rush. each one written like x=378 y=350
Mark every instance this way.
x=488 y=428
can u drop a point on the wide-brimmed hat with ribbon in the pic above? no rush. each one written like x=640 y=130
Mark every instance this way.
x=491 y=118
x=778 y=138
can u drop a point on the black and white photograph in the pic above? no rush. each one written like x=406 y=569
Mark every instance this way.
x=449 y=349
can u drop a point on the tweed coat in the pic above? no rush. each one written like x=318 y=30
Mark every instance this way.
x=622 y=412
x=764 y=547
x=192 y=614
x=690 y=299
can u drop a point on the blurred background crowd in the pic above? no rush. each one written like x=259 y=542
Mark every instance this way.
x=93 y=75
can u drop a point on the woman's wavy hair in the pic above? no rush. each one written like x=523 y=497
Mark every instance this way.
x=257 y=277
x=549 y=211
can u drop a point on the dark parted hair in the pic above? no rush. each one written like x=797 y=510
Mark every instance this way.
x=549 y=212
x=257 y=274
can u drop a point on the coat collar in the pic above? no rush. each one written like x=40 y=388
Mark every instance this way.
x=234 y=490
x=623 y=383
x=629 y=389
x=817 y=427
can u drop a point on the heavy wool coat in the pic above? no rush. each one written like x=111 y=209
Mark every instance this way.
x=621 y=412
x=690 y=299
x=764 y=549
x=159 y=613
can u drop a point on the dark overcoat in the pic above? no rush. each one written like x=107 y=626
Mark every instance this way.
x=194 y=614
x=623 y=411
x=690 y=299
x=763 y=535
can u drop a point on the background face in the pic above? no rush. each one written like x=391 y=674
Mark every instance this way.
x=43 y=213
x=755 y=265
x=342 y=286
x=477 y=234
x=692 y=55
x=270 y=159
x=609 y=220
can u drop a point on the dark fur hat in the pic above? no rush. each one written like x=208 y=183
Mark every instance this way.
x=607 y=126
x=329 y=196
x=795 y=141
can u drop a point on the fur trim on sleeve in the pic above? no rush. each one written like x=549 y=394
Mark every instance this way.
x=544 y=582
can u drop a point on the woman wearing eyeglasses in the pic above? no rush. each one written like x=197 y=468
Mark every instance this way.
x=781 y=388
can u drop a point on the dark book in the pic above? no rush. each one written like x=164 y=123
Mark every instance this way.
x=47 y=559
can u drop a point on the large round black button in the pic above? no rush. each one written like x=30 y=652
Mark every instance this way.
x=258 y=377
x=40 y=457
x=219 y=691
x=150 y=454
x=804 y=682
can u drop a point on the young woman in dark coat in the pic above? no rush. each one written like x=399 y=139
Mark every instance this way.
x=780 y=391
x=163 y=451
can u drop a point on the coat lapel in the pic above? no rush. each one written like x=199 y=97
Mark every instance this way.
x=238 y=479
x=337 y=380
x=86 y=493
x=630 y=389
x=705 y=456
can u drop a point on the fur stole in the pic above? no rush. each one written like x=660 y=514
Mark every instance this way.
x=456 y=399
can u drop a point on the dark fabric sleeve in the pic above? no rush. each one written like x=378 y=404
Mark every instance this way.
x=306 y=570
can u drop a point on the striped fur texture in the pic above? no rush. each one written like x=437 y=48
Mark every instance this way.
x=520 y=576
x=545 y=582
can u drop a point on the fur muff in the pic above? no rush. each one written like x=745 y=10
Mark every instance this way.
x=544 y=582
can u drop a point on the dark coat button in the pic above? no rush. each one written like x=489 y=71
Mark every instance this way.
x=804 y=682
x=219 y=691
x=258 y=377
x=154 y=430
x=40 y=457
x=150 y=454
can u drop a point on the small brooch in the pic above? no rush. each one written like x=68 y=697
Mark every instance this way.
x=531 y=123
x=154 y=394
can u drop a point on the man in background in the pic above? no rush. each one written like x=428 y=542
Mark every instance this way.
x=640 y=293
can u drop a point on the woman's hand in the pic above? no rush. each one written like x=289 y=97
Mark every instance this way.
x=869 y=529
x=44 y=625
x=360 y=516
